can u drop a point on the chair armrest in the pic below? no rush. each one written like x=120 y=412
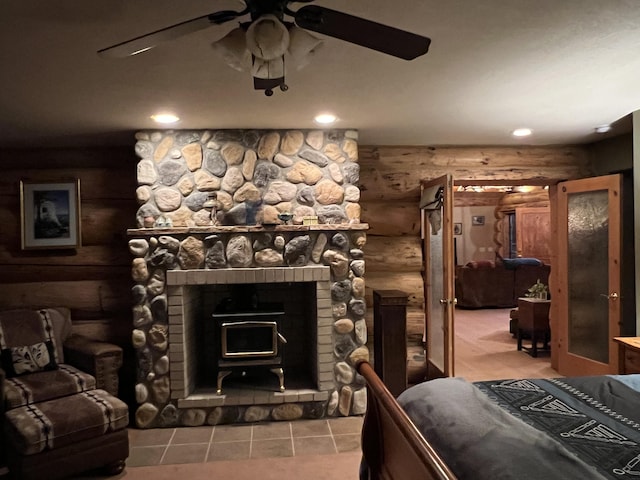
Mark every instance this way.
x=100 y=359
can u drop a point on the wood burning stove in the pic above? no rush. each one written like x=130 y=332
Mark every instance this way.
x=249 y=340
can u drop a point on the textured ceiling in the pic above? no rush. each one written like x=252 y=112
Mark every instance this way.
x=558 y=67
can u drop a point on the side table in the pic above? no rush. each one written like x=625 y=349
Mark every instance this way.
x=629 y=352
x=533 y=318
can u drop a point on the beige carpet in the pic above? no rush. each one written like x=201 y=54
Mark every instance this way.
x=485 y=350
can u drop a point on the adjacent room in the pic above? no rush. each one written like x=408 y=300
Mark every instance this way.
x=260 y=239
x=491 y=223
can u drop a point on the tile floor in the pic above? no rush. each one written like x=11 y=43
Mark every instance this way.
x=237 y=442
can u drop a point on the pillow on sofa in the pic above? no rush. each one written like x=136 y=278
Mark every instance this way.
x=513 y=263
x=27 y=342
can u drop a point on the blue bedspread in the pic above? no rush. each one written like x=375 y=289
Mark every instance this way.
x=568 y=428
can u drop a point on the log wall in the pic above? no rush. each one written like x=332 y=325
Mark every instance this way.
x=390 y=183
x=95 y=280
x=92 y=280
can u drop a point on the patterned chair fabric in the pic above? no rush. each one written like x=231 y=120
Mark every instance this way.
x=66 y=420
x=55 y=414
x=42 y=386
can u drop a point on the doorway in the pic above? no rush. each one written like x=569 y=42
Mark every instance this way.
x=617 y=296
x=496 y=222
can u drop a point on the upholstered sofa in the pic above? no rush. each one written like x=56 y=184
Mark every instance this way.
x=497 y=284
x=58 y=407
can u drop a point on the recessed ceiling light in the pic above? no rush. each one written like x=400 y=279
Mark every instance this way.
x=522 y=132
x=325 y=118
x=165 y=118
x=603 y=128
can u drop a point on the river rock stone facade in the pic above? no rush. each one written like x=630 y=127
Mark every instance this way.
x=306 y=173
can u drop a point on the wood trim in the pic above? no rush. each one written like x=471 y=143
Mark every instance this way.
x=553 y=276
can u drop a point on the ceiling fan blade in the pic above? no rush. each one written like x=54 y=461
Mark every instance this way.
x=148 y=41
x=382 y=38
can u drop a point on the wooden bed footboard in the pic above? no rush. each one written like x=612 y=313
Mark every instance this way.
x=392 y=446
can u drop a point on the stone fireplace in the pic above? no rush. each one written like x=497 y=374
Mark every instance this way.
x=188 y=264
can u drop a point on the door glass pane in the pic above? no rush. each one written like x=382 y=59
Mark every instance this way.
x=436 y=315
x=588 y=252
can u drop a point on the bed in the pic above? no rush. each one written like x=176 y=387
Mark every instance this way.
x=563 y=428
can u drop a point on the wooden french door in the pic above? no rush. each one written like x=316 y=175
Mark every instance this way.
x=588 y=307
x=437 y=240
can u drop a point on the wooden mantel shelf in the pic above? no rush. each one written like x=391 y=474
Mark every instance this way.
x=248 y=229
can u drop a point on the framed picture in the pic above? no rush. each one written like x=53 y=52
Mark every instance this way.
x=50 y=214
x=477 y=220
x=457 y=229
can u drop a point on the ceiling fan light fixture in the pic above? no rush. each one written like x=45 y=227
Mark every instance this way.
x=302 y=46
x=267 y=38
x=522 y=132
x=165 y=118
x=232 y=48
x=268 y=69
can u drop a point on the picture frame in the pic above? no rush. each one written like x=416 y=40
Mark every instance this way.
x=477 y=220
x=457 y=228
x=50 y=215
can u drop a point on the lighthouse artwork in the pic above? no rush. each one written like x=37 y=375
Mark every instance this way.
x=50 y=215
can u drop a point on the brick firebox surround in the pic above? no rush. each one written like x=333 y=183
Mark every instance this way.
x=183 y=334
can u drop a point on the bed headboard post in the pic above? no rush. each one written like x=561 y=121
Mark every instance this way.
x=392 y=446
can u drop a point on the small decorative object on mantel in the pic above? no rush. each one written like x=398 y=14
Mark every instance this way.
x=163 y=222
x=50 y=214
x=538 y=290
x=285 y=217
x=212 y=205
x=310 y=220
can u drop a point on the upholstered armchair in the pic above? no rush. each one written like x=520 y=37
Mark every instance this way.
x=59 y=412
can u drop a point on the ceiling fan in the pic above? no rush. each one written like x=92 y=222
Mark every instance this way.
x=263 y=41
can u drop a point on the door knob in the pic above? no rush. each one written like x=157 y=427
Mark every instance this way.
x=446 y=301
x=611 y=296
